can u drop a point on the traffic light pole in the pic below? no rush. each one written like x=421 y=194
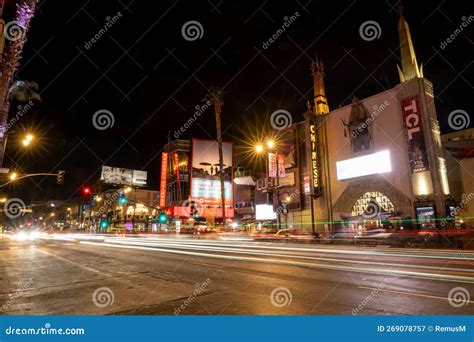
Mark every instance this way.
x=30 y=175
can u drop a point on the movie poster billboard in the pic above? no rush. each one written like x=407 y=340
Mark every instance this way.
x=205 y=177
x=412 y=120
x=121 y=176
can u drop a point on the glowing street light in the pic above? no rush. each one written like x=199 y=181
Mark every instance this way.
x=271 y=143
x=13 y=176
x=28 y=139
x=259 y=148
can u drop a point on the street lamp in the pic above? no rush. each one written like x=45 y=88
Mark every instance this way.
x=27 y=140
x=272 y=148
x=13 y=176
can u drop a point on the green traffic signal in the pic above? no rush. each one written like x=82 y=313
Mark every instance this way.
x=162 y=218
x=104 y=224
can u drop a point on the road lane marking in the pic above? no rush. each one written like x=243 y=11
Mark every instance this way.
x=410 y=274
x=409 y=293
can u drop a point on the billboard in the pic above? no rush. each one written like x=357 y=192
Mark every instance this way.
x=205 y=176
x=417 y=154
x=121 y=176
x=370 y=164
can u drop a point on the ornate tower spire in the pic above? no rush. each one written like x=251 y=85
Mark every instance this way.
x=320 y=101
x=409 y=69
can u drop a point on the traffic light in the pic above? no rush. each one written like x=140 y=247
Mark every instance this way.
x=60 y=177
x=86 y=190
x=122 y=199
x=162 y=218
x=104 y=224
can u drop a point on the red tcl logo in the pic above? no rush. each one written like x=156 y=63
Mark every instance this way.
x=411 y=116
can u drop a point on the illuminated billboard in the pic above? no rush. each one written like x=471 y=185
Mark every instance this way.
x=265 y=212
x=121 y=176
x=364 y=166
x=205 y=177
x=418 y=158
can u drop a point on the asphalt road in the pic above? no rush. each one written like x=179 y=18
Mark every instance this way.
x=69 y=275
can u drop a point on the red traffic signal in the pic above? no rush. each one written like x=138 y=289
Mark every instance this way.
x=86 y=190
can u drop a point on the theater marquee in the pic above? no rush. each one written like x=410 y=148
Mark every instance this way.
x=315 y=187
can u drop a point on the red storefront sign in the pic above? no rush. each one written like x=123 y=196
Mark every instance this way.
x=412 y=120
x=164 y=174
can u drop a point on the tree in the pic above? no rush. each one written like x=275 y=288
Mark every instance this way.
x=24 y=91
x=15 y=34
x=216 y=97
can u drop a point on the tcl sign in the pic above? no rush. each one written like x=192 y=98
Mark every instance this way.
x=412 y=120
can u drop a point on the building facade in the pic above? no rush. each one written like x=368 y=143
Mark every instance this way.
x=378 y=162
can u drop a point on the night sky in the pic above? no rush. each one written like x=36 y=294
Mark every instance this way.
x=150 y=78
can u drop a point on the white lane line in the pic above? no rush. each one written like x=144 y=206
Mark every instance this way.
x=290 y=256
x=410 y=294
x=420 y=275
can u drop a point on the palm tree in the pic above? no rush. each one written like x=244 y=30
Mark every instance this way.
x=24 y=91
x=216 y=96
x=10 y=60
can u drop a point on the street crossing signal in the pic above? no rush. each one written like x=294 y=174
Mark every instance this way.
x=123 y=199
x=60 y=177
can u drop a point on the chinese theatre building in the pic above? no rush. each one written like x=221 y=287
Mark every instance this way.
x=377 y=162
